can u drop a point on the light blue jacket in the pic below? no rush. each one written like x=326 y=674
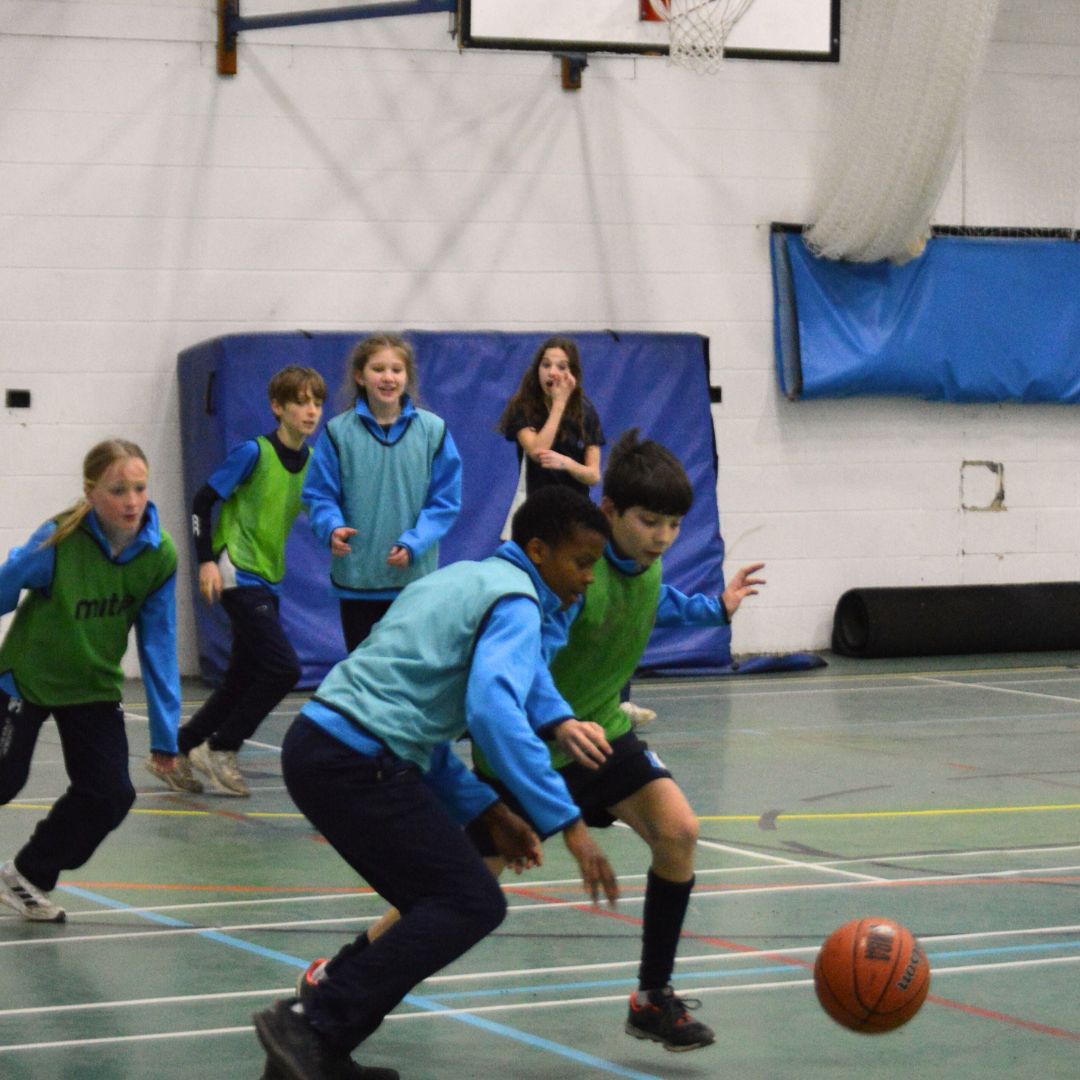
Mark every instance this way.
x=326 y=498
x=460 y=650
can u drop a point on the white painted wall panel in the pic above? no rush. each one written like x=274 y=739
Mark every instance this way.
x=370 y=175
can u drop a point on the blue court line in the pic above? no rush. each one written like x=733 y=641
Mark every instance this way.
x=424 y=1003
x=611 y=984
x=734 y=973
x=1003 y=950
x=210 y=935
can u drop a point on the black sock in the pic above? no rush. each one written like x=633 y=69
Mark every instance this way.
x=665 y=910
x=362 y=942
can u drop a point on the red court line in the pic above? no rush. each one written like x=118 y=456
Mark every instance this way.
x=734 y=946
x=1004 y=1018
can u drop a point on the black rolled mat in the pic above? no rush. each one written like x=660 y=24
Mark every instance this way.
x=938 y=620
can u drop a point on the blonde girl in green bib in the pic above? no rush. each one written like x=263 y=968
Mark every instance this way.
x=90 y=574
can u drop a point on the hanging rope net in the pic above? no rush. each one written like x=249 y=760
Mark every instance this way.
x=907 y=72
x=698 y=29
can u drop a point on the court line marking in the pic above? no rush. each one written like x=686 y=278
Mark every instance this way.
x=351 y=893
x=569 y=969
x=724 y=891
x=670 y=687
x=464 y=1016
x=775 y=860
x=869 y=814
x=201 y=999
x=997 y=689
x=785 y=816
x=577 y=1002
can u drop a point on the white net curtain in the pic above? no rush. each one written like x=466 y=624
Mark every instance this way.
x=907 y=72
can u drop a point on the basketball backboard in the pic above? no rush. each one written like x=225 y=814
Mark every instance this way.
x=770 y=29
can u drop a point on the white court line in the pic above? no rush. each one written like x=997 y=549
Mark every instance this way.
x=203 y=904
x=665 y=690
x=569 y=882
x=529 y=1006
x=730 y=893
x=997 y=689
x=704 y=695
x=573 y=969
x=883 y=883
x=263 y=745
x=788 y=863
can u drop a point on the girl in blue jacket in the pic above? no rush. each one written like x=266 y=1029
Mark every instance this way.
x=383 y=487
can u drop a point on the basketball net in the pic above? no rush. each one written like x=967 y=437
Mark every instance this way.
x=698 y=29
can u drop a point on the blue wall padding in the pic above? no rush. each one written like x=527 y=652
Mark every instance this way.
x=973 y=319
x=657 y=382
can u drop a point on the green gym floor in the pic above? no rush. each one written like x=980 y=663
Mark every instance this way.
x=944 y=794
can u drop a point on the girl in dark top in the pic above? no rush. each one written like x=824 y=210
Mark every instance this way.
x=554 y=424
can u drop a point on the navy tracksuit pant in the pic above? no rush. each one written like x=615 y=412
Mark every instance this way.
x=388 y=825
x=95 y=748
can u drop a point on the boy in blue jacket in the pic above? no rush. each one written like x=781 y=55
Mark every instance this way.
x=369 y=762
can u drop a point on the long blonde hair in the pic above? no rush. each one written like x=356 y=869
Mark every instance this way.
x=99 y=459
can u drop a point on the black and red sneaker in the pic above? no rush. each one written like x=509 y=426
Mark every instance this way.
x=305 y=983
x=665 y=1018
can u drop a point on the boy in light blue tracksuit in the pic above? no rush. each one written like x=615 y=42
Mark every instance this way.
x=369 y=761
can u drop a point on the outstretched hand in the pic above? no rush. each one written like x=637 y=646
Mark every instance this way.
x=741 y=586
x=596 y=872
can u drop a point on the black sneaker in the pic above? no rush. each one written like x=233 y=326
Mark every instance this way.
x=296 y=1051
x=305 y=983
x=272 y=1071
x=666 y=1019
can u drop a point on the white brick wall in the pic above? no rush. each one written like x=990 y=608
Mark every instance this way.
x=371 y=174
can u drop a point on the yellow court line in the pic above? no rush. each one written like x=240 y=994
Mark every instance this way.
x=1051 y=807
x=898 y=813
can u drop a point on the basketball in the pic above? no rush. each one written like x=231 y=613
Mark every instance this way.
x=871 y=975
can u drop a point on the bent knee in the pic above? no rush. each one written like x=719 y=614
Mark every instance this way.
x=487 y=904
x=110 y=807
x=677 y=836
x=283 y=676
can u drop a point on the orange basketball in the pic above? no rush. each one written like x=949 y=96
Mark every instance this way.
x=871 y=975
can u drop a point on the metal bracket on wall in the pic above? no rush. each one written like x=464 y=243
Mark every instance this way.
x=573 y=64
x=231 y=23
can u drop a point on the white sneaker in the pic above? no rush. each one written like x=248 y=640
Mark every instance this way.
x=180 y=778
x=639 y=715
x=27 y=899
x=220 y=766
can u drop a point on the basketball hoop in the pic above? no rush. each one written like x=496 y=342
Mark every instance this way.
x=698 y=29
